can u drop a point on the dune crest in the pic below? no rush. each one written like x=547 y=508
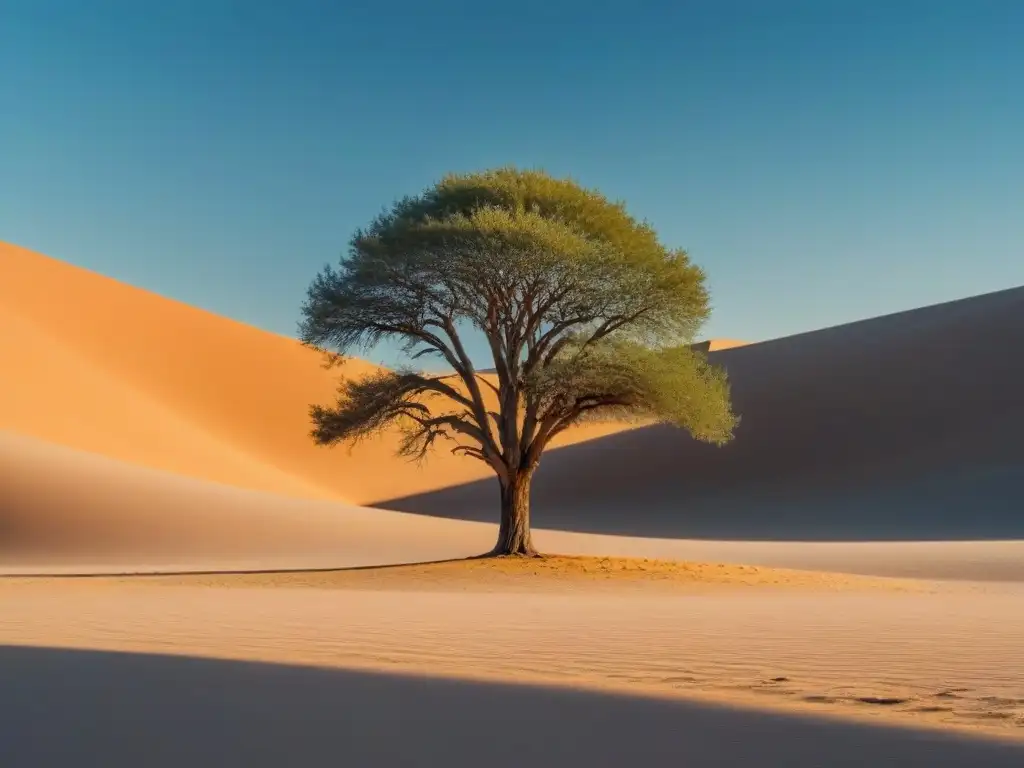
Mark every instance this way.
x=717 y=345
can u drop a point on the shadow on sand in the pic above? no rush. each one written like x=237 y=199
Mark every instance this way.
x=86 y=708
x=903 y=427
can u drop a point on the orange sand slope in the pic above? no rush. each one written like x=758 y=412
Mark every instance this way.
x=94 y=364
x=64 y=507
x=908 y=426
x=716 y=345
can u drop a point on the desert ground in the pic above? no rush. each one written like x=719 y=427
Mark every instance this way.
x=185 y=579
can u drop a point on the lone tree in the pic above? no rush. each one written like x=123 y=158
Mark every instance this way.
x=586 y=315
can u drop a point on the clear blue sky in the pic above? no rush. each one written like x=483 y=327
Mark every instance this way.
x=825 y=161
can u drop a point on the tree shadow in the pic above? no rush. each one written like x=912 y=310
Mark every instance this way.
x=87 y=708
x=583 y=488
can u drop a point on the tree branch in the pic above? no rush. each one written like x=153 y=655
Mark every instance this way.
x=557 y=420
x=464 y=368
x=434 y=427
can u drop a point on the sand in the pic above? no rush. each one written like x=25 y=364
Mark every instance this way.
x=64 y=510
x=949 y=658
x=124 y=373
x=698 y=591
x=67 y=707
x=905 y=427
x=716 y=345
x=547 y=573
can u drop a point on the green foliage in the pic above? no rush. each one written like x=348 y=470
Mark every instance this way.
x=586 y=313
x=370 y=404
x=624 y=381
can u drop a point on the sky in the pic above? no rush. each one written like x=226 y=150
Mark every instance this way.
x=824 y=161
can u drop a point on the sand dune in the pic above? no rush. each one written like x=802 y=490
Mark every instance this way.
x=907 y=426
x=104 y=367
x=66 y=510
x=717 y=345
x=141 y=435
x=902 y=427
x=60 y=506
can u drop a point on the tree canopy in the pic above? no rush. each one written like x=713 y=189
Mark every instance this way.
x=586 y=314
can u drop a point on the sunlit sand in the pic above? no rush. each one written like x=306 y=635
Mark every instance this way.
x=142 y=436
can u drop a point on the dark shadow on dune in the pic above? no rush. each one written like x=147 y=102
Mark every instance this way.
x=909 y=426
x=96 y=709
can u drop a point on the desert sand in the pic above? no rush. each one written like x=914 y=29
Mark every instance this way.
x=123 y=373
x=849 y=572
x=905 y=427
x=716 y=345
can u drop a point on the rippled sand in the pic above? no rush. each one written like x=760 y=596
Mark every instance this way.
x=153 y=461
x=949 y=656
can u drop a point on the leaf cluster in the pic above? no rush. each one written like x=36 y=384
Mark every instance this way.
x=585 y=312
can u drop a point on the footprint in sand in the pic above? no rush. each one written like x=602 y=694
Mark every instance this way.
x=999 y=701
x=884 y=701
x=987 y=715
x=951 y=693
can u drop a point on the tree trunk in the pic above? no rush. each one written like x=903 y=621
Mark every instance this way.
x=514 y=533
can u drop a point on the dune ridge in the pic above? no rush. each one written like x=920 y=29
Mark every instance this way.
x=119 y=371
x=890 y=428
x=716 y=345
x=902 y=427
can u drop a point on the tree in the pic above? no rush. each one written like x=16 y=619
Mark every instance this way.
x=585 y=313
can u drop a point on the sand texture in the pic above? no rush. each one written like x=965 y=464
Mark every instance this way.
x=843 y=585
x=942 y=659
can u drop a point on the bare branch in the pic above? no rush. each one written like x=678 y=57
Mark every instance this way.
x=468 y=450
x=464 y=367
